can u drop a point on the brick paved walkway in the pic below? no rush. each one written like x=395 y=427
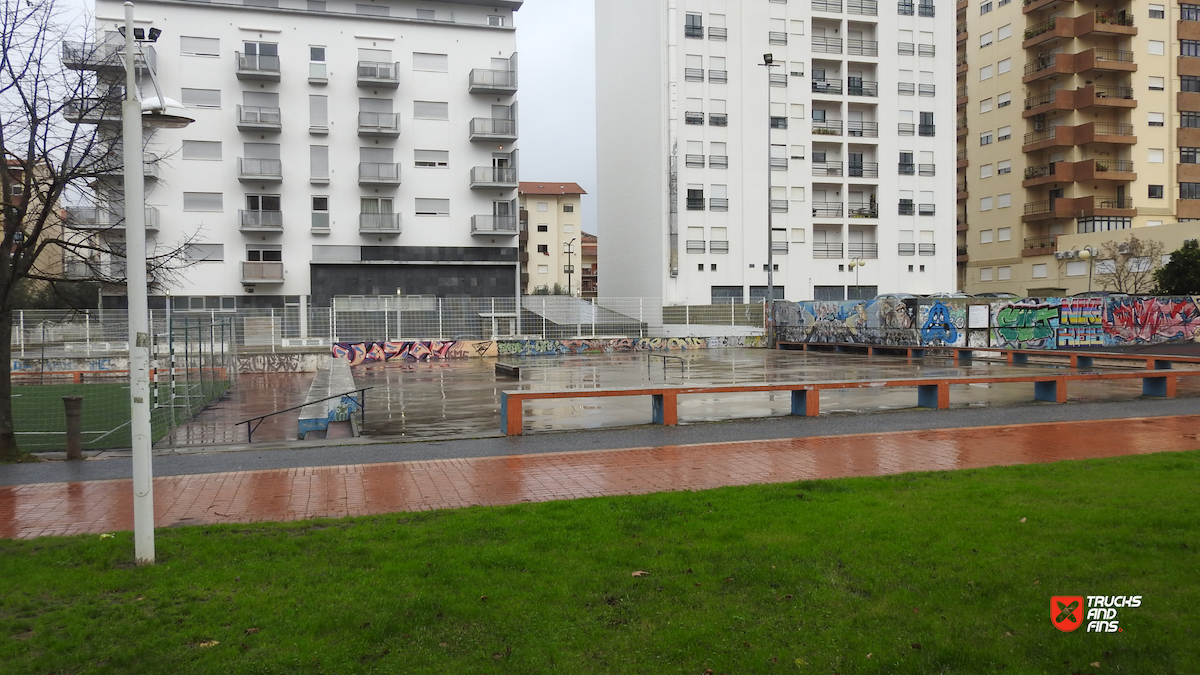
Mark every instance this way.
x=292 y=494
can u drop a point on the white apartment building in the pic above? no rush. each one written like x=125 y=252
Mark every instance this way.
x=855 y=122
x=339 y=148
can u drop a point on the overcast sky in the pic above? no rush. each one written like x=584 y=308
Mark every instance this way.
x=557 y=45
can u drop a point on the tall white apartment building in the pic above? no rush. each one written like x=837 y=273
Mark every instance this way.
x=339 y=147
x=855 y=122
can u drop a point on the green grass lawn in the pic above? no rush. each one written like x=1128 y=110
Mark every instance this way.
x=40 y=417
x=918 y=573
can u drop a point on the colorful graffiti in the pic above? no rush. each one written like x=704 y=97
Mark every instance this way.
x=1029 y=323
x=417 y=350
x=434 y=350
x=608 y=345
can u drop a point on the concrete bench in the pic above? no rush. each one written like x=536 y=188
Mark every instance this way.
x=806 y=396
x=508 y=370
x=333 y=378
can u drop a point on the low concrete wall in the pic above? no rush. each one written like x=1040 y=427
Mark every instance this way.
x=334 y=377
x=374 y=352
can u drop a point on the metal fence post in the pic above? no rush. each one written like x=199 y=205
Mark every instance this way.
x=74 y=406
x=21 y=314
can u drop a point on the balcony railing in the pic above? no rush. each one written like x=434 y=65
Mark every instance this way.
x=779 y=247
x=718 y=161
x=1115 y=165
x=856 y=47
x=690 y=31
x=1039 y=207
x=906 y=209
x=485 y=224
x=110 y=217
x=906 y=129
x=380 y=223
x=778 y=79
x=1046 y=241
x=827 y=209
x=719 y=34
x=862 y=88
x=260 y=221
x=926 y=209
x=926 y=10
x=905 y=8
x=926 y=90
x=1039 y=28
x=1112 y=129
x=863 y=7
x=1112 y=18
x=777 y=37
x=1044 y=98
x=693 y=74
x=779 y=122
x=868 y=210
x=862 y=129
x=718 y=246
x=961 y=91
x=827 y=250
x=714 y=120
x=1041 y=63
x=827 y=168
x=778 y=205
x=378 y=74
x=258 y=118
x=826 y=86
x=906 y=168
x=827 y=127
x=695 y=203
x=827 y=5
x=1110 y=91
x=926 y=249
x=491 y=128
x=906 y=88
x=927 y=169
x=863 y=170
x=92 y=110
x=693 y=117
x=718 y=204
x=694 y=161
x=257 y=67
x=1117 y=55
x=926 y=130
x=826 y=45
x=778 y=163
x=489 y=81
x=1113 y=202
x=378 y=173
x=262 y=272
x=695 y=246
x=253 y=169
x=960 y=155
x=906 y=248
x=719 y=76
x=906 y=48
x=378 y=124
x=1039 y=136
x=1040 y=171
x=97 y=56
x=493 y=176
x=863 y=250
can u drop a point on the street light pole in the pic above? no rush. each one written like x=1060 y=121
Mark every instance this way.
x=1089 y=254
x=570 y=267
x=769 y=63
x=856 y=264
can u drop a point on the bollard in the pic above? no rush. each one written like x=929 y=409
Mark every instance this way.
x=74 y=406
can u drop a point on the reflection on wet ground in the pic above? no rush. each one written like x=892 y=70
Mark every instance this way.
x=254 y=394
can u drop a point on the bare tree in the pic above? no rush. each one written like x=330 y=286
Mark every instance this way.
x=59 y=140
x=1128 y=266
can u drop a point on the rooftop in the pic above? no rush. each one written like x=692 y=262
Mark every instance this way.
x=551 y=189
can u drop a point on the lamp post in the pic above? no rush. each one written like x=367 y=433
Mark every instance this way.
x=1089 y=254
x=570 y=246
x=163 y=113
x=856 y=264
x=769 y=63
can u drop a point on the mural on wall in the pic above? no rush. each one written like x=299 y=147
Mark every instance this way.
x=1028 y=323
x=412 y=350
x=433 y=350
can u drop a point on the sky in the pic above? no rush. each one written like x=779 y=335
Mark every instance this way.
x=556 y=42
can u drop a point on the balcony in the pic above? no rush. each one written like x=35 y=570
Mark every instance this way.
x=961 y=96
x=961 y=253
x=1047 y=66
x=1187 y=208
x=827 y=209
x=260 y=67
x=258 y=118
x=1028 y=6
x=693 y=117
x=862 y=251
x=1052 y=137
x=960 y=190
x=867 y=210
x=1088 y=170
x=262 y=272
x=692 y=31
x=486 y=81
x=1104 y=96
x=379 y=125
x=260 y=221
x=1049 y=209
x=862 y=129
x=93 y=110
x=110 y=163
x=378 y=75
x=693 y=74
x=503 y=178
x=1104 y=22
x=960 y=32
x=106 y=56
x=255 y=170
x=856 y=47
x=493 y=129
x=827 y=127
x=926 y=130
x=1040 y=104
x=722 y=76
x=926 y=10
x=778 y=163
x=89 y=218
x=1051 y=29
x=904 y=8
x=494 y=225
x=1107 y=60
x=1105 y=133
x=827 y=250
x=718 y=34
x=906 y=168
x=381 y=223
x=829 y=87
x=1043 y=245
x=863 y=170
x=906 y=248
x=826 y=45
x=906 y=129
x=827 y=5
x=862 y=88
x=862 y=7
x=379 y=173
x=714 y=119
x=827 y=169
x=961 y=159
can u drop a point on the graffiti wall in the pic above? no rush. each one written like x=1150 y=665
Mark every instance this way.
x=1028 y=323
x=372 y=352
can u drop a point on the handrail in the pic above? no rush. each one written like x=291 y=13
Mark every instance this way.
x=362 y=407
x=664 y=358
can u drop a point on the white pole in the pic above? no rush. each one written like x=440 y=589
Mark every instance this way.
x=139 y=326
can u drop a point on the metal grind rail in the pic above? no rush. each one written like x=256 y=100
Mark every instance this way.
x=361 y=400
x=665 y=358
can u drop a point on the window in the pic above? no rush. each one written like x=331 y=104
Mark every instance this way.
x=1155 y=192
x=985 y=7
x=1077 y=268
x=1186 y=156
x=985 y=171
x=1004 y=234
x=1004 y=166
x=320 y=212
x=1158 y=11
x=434 y=63
x=318 y=158
x=431 y=158
x=1003 y=133
x=1189 y=83
x=427 y=14
x=1157 y=83
x=985 y=274
x=1186 y=191
x=985 y=73
x=985 y=138
x=1003 y=202
x=1189 y=120
x=985 y=39
x=316 y=5
x=985 y=203
x=985 y=105
x=1004 y=99
x=1189 y=47
x=371 y=10
x=318 y=114
x=199 y=46
x=1004 y=32
x=985 y=236
x=205 y=252
x=1102 y=224
x=544 y=249
x=1156 y=119
x=431 y=110
x=201 y=98
x=1004 y=273
x=798 y=194
x=1155 y=155
x=433 y=207
x=1189 y=12
x=693 y=25
x=543 y=206
x=1039 y=271
x=543 y=227
x=263 y=203
x=202 y=201
x=1156 y=48
x=1003 y=66
x=209 y=150
x=494 y=20
x=316 y=64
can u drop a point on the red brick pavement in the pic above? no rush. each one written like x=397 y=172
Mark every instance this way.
x=291 y=494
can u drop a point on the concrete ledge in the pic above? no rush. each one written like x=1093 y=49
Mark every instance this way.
x=334 y=377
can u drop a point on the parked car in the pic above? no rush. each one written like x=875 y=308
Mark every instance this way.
x=945 y=294
x=1000 y=294
x=895 y=296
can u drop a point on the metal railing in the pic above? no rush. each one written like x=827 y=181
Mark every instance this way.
x=927 y=169
x=1117 y=55
x=694 y=161
x=1046 y=241
x=261 y=220
x=862 y=129
x=926 y=249
x=906 y=168
x=718 y=161
x=1113 y=202
x=257 y=63
x=906 y=129
x=1111 y=91
x=1116 y=165
x=695 y=203
x=1112 y=129
x=863 y=170
x=719 y=34
x=258 y=115
x=868 y=210
x=1044 y=98
x=105 y=55
x=906 y=209
x=824 y=86
x=827 y=168
x=1039 y=136
x=826 y=45
x=857 y=47
x=868 y=251
x=862 y=88
x=692 y=117
x=827 y=127
x=487 y=78
x=695 y=246
x=926 y=130
x=863 y=7
x=1036 y=29
x=501 y=175
x=718 y=204
x=250 y=167
x=379 y=222
x=1041 y=63
x=693 y=74
x=778 y=205
x=926 y=10
x=719 y=76
x=827 y=209
x=378 y=70
x=492 y=223
x=1039 y=207
x=906 y=248
x=1039 y=171
x=926 y=90
x=905 y=8
x=1112 y=18
x=827 y=250
x=379 y=172
x=492 y=126
x=714 y=120
x=827 y=5
x=379 y=122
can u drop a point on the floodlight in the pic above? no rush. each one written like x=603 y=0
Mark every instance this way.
x=139 y=33
x=768 y=59
x=154 y=33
